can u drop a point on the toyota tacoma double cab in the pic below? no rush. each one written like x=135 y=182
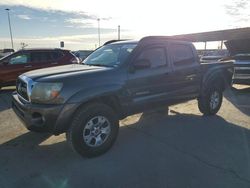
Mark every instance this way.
x=86 y=101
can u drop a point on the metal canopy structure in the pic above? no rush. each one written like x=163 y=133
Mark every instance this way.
x=221 y=35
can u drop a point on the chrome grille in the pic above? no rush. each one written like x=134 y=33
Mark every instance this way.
x=21 y=87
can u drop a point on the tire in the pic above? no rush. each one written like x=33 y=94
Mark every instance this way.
x=93 y=130
x=210 y=101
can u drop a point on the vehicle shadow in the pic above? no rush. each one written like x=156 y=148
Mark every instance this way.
x=240 y=98
x=5 y=99
x=179 y=150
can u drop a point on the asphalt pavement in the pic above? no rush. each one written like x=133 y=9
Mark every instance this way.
x=175 y=150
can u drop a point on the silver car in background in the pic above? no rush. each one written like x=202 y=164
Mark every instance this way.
x=240 y=55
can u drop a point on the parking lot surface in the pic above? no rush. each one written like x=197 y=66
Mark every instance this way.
x=181 y=149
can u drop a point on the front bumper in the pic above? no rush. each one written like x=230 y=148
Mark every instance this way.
x=54 y=119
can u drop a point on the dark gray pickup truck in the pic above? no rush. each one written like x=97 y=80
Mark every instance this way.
x=119 y=79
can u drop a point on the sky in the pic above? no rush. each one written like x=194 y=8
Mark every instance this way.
x=44 y=23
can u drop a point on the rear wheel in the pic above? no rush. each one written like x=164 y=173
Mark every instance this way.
x=93 y=130
x=210 y=100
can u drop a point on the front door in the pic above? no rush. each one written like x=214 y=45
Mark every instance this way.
x=147 y=87
x=13 y=66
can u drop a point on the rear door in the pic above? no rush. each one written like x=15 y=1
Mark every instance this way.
x=13 y=66
x=43 y=59
x=148 y=87
x=187 y=71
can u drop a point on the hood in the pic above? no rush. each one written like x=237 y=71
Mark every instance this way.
x=239 y=46
x=63 y=70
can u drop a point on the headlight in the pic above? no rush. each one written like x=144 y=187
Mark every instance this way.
x=46 y=92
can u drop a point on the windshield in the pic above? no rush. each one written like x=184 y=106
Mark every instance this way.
x=110 y=55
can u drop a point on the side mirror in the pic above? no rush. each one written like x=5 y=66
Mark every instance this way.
x=142 y=64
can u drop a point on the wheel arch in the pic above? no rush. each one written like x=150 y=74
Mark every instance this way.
x=110 y=100
x=217 y=77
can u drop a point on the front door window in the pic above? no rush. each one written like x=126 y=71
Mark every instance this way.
x=19 y=59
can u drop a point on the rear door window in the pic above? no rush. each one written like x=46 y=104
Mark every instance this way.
x=39 y=57
x=45 y=57
x=155 y=55
x=182 y=55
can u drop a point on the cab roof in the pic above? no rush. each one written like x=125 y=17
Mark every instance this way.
x=148 y=39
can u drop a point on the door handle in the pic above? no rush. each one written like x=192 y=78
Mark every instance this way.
x=27 y=66
x=190 y=77
x=55 y=63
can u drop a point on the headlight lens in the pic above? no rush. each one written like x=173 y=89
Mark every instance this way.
x=46 y=92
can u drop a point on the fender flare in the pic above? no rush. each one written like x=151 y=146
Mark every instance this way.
x=88 y=93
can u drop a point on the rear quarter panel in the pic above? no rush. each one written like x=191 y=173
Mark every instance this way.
x=221 y=69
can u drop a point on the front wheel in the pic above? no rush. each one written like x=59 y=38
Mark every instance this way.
x=210 y=102
x=93 y=130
